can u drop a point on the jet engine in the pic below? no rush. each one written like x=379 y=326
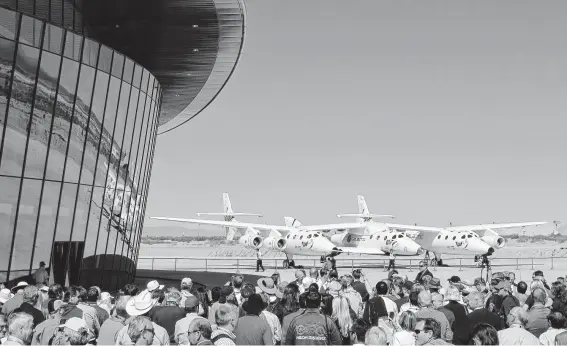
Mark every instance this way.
x=275 y=243
x=495 y=241
x=251 y=240
x=341 y=239
x=492 y=238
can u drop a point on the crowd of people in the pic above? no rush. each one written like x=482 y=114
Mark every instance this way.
x=320 y=307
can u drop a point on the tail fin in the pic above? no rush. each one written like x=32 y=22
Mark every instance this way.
x=229 y=215
x=364 y=213
x=362 y=207
x=291 y=222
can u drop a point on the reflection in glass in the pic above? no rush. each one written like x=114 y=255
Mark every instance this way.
x=62 y=119
x=90 y=52
x=6 y=64
x=65 y=217
x=46 y=223
x=79 y=124
x=8 y=201
x=128 y=71
x=105 y=59
x=107 y=132
x=137 y=145
x=73 y=44
x=95 y=128
x=18 y=117
x=53 y=40
x=43 y=108
x=137 y=79
x=8 y=24
x=30 y=31
x=93 y=222
x=118 y=65
x=81 y=213
x=27 y=217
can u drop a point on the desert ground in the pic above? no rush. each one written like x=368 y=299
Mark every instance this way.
x=522 y=256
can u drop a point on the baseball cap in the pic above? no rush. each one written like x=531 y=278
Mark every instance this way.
x=105 y=296
x=187 y=281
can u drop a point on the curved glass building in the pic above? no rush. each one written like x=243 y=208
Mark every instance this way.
x=86 y=86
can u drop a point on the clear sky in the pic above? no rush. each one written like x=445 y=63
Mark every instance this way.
x=435 y=111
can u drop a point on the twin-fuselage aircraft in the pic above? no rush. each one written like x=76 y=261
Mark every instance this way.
x=364 y=236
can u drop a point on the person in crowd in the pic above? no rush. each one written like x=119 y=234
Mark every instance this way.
x=382 y=290
x=358 y=332
x=141 y=330
x=272 y=319
x=3 y=327
x=185 y=288
x=507 y=300
x=413 y=303
x=78 y=297
x=461 y=327
x=480 y=314
x=538 y=313
x=131 y=290
x=521 y=290
x=376 y=336
x=105 y=302
x=516 y=334
x=428 y=332
x=405 y=290
x=354 y=298
x=299 y=275
x=44 y=330
x=561 y=339
x=406 y=336
x=16 y=300
x=557 y=325
x=289 y=302
x=251 y=329
x=559 y=293
x=140 y=305
x=360 y=283
x=423 y=271
x=41 y=276
x=311 y=327
x=342 y=318
x=484 y=334
x=20 y=329
x=437 y=300
x=117 y=320
x=30 y=297
x=225 y=320
x=226 y=297
x=92 y=299
x=427 y=311
x=200 y=332
x=302 y=306
x=191 y=310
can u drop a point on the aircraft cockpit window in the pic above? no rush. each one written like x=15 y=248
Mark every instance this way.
x=371 y=236
x=463 y=237
x=454 y=238
x=287 y=236
x=316 y=235
x=309 y=236
x=378 y=237
x=394 y=237
x=446 y=237
x=301 y=237
x=294 y=236
x=439 y=236
x=386 y=238
x=470 y=236
x=400 y=236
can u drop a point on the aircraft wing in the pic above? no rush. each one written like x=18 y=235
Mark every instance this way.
x=240 y=225
x=495 y=226
x=361 y=251
x=332 y=227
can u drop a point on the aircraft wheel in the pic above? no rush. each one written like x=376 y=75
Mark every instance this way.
x=286 y=264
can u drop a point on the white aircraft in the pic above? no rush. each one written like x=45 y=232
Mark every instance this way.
x=291 y=240
x=459 y=240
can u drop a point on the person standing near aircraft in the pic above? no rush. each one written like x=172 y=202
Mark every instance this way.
x=259 y=260
x=392 y=264
x=423 y=271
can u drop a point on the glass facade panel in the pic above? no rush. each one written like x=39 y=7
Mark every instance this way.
x=46 y=223
x=45 y=94
x=8 y=23
x=27 y=218
x=7 y=49
x=76 y=142
x=79 y=124
x=19 y=112
x=8 y=202
x=62 y=119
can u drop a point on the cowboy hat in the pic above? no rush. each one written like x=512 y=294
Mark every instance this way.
x=153 y=285
x=267 y=285
x=140 y=304
x=5 y=295
x=19 y=286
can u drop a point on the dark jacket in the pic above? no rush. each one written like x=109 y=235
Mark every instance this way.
x=485 y=316
x=462 y=326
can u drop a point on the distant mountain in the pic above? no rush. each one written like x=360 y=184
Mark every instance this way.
x=173 y=231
